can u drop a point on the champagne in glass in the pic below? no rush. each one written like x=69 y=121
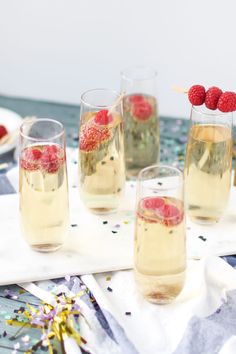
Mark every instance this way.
x=142 y=136
x=101 y=151
x=208 y=165
x=160 y=255
x=43 y=184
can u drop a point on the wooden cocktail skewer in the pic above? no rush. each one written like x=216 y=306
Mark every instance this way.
x=179 y=89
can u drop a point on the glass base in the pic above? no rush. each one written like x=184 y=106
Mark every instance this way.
x=46 y=247
x=160 y=289
x=101 y=203
x=102 y=211
x=132 y=174
x=201 y=220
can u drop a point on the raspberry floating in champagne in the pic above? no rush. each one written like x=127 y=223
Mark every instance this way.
x=159 y=247
x=101 y=155
x=141 y=118
x=43 y=185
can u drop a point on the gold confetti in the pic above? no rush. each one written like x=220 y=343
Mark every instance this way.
x=60 y=321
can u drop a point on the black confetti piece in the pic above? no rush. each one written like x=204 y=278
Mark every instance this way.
x=109 y=289
x=74 y=225
x=44 y=348
x=114 y=232
x=4 y=334
x=128 y=313
x=159 y=183
x=105 y=222
x=202 y=238
x=111 y=158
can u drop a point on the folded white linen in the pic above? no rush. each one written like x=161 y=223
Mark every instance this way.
x=200 y=320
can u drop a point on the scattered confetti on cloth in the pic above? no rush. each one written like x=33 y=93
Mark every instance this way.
x=201 y=320
x=58 y=319
x=100 y=335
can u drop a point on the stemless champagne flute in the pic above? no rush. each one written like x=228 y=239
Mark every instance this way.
x=159 y=248
x=101 y=150
x=142 y=136
x=44 y=207
x=208 y=165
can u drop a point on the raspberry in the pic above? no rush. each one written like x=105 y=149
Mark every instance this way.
x=3 y=131
x=167 y=214
x=91 y=137
x=103 y=118
x=51 y=149
x=153 y=203
x=30 y=158
x=171 y=214
x=212 y=97
x=227 y=102
x=51 y=158
x=196 y=95
x=142 y=111
x=136 y=98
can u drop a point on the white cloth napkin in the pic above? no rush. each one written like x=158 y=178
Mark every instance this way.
x=200 y=320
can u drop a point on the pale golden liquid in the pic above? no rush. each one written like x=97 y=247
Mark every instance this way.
x=44 y=208
x=160 y=257
x=208 y=172
x=102 y=172
x=142 y=138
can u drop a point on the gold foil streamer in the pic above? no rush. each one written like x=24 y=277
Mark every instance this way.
x=60 y=321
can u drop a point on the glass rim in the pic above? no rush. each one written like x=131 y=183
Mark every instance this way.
x=124 y=74
x=53 y=137
x=210 y=113
x=179 y=175
x=173 y=168
x=82 y=98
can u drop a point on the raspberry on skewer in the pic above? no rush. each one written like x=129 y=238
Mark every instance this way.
x=196 y=95
x=227 y=102
x=212 y=97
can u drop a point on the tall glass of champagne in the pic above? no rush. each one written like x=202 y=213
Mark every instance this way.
x=44 y=209
x=208 y=165
x=159 y=248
